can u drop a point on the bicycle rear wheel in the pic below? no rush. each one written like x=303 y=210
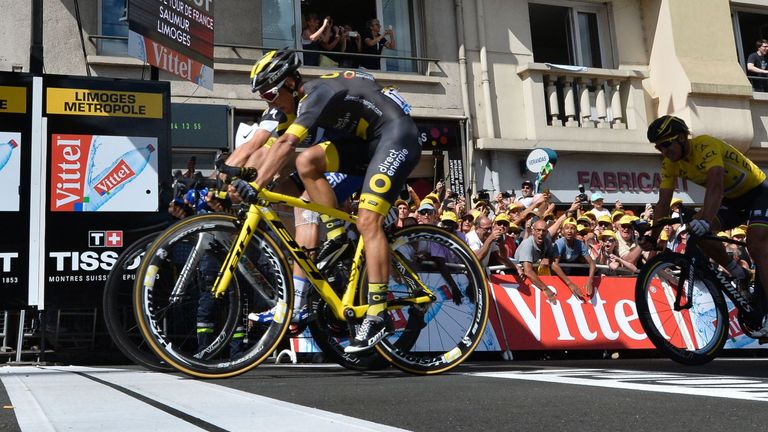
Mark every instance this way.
x=432 y=338
x=190 y=329
x=691 y=336
x=118 y=308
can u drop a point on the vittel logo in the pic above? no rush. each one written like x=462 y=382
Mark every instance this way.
x=6 y=261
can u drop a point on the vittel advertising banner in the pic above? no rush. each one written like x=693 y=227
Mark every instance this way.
x=108 y=152
x=15 y=139
x=175 y=36
x=609 y=321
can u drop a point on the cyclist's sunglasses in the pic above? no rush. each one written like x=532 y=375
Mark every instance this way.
x=271 y=94
x=664 y=144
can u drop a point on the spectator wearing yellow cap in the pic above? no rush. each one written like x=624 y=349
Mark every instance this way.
x=615 y=216
x=573 y=251
x=484 y=242
x=740 y=234
x=515 y=212
x=450 y=222
x=676 y=205
x=507 y=244
x=627 y=240
x=608 y=255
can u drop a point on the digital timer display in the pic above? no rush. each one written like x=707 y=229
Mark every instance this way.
x=199 y=125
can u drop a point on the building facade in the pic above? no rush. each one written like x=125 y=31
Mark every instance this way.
x=488 y=80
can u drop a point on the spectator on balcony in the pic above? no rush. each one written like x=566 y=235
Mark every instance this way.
x=374 y=42
x=351 y=42
x=757 y=66
x=311 y=38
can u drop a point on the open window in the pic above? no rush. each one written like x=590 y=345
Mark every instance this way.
x=113 y=21
x=283 y=22
x=577 y=34
x=750 y=26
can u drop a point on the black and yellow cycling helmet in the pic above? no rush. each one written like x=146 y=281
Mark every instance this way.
x=666 y=127
x=273 y=68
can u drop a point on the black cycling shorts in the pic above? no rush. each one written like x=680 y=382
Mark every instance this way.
x=752 y=207
x=385 y=161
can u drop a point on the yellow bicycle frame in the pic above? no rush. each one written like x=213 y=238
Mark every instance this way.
x=261 y=212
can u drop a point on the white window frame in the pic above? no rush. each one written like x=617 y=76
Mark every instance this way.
x=737 y=31
x=416 y=18
x=604 y=30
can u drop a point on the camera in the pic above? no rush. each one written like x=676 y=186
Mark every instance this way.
x=508 y=194
x=453 y=195
x=482 y=195
x=582 y=196
x=404 y=195
x=353 y=34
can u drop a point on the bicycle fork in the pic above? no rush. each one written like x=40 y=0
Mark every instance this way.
x=229 y=265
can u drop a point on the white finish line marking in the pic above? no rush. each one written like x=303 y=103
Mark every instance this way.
x=688 y=384
x=73 y=398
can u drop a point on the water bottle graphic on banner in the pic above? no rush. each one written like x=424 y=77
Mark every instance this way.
x=107 y=183
x=5 y=152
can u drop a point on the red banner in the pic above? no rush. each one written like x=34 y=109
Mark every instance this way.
x=608 y=321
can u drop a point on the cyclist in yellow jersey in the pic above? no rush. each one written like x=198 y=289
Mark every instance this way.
x=736 y=193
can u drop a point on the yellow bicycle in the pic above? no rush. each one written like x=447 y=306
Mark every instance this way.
x=222 y=267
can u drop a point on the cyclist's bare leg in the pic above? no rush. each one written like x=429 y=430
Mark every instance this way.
x=369 y=223
x=757 y=245
x=716 y=250
x=312 y=166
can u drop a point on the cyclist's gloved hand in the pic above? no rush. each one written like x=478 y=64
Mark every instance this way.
x=699 y=227
x=245 y=190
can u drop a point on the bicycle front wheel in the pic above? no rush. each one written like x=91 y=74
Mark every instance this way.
x=185 y=325
x=692 y=335
x=118 y=308
x=434 y=337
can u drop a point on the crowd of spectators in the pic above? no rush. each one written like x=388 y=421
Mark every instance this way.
x=529 y=236
x=337 y=45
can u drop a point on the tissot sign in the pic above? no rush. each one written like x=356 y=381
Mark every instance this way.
x=174 y=35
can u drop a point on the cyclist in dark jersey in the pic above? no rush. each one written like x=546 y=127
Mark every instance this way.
x=385 y=149
x=736 y=192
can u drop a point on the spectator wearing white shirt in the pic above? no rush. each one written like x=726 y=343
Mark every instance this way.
x=597 y=206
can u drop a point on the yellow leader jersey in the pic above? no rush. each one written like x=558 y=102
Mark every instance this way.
x=705 y=152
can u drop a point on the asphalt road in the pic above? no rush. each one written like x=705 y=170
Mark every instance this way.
x=581 y=395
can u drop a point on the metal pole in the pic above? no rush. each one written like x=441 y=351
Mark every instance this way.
x=20 y=336
x=36 y=40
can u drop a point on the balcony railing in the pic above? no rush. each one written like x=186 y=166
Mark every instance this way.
x=562 y=98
